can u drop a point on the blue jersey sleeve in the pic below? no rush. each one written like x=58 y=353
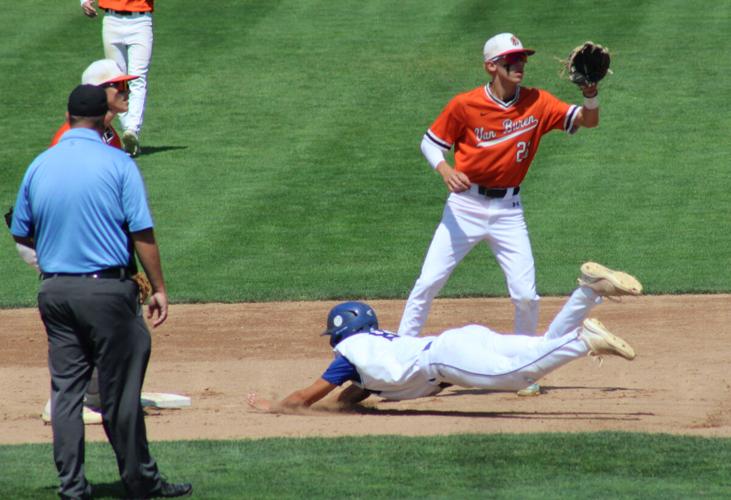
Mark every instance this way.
x=340 y=371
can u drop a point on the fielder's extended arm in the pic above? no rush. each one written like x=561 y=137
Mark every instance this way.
x=588 y=114
x=587 y=65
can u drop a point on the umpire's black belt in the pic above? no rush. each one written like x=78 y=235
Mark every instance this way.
x=119 y=273
x=496 y=192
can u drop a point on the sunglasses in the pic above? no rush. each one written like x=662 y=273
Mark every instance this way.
x=122 y=86
x=511 y=59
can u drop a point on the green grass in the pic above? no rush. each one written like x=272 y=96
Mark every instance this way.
x=282 y=162
x=540 y=466
x=282 y=141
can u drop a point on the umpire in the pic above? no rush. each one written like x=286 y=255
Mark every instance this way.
x=72 y=205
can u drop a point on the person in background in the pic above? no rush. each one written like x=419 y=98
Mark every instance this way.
x=128 y=38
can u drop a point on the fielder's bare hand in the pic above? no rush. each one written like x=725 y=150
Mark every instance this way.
x=589 y=90
x=89 y=8
x=455 y=181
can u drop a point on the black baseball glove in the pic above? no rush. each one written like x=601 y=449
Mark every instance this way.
x=588 y=64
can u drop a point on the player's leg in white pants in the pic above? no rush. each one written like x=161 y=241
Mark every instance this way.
x=573 y=313
x=510 y=243
x=474 y=356
x=569 y=318
x=461 y=228
x=129 y=42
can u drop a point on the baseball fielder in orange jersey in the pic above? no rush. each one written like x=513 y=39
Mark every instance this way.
x=107 y=74
x=495 y=131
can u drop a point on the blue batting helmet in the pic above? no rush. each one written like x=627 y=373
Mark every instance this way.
x=349 y=318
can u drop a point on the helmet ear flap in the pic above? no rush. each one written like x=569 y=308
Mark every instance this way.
x=335 y=339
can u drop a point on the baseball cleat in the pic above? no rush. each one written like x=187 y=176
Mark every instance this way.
x=607 y=282
x=600 y=341
x=531 y=390
x=131 y=143
x=90 y=415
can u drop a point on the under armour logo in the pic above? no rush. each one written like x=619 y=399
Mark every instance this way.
x=515 y=41
x=108 y=136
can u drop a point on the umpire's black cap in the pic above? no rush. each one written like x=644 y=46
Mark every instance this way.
x=88 y=100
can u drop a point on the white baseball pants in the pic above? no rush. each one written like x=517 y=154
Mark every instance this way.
x=128 y=40
x=469 y=218
x=475 y=356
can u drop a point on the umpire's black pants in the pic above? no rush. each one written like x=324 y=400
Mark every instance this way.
x=97 y=322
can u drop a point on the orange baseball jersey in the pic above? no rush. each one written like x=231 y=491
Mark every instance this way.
x=494 y=141
x=128 y=5
x=110 y=136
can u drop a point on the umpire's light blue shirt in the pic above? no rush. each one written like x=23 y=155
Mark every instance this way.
x=74 y=199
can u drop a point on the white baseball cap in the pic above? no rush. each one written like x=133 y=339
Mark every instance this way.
x=104 y=71
x=502 y=45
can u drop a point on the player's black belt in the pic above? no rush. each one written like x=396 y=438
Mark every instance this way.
x=109 y=273
x=496 y=192
x=122 y=12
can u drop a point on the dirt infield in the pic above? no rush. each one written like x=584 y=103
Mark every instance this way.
x=217 y=353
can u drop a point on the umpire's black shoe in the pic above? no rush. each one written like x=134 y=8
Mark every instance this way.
x=171 y=490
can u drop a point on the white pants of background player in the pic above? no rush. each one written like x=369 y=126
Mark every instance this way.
x=468 y=219
x=128 y=41
x=475 y=356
